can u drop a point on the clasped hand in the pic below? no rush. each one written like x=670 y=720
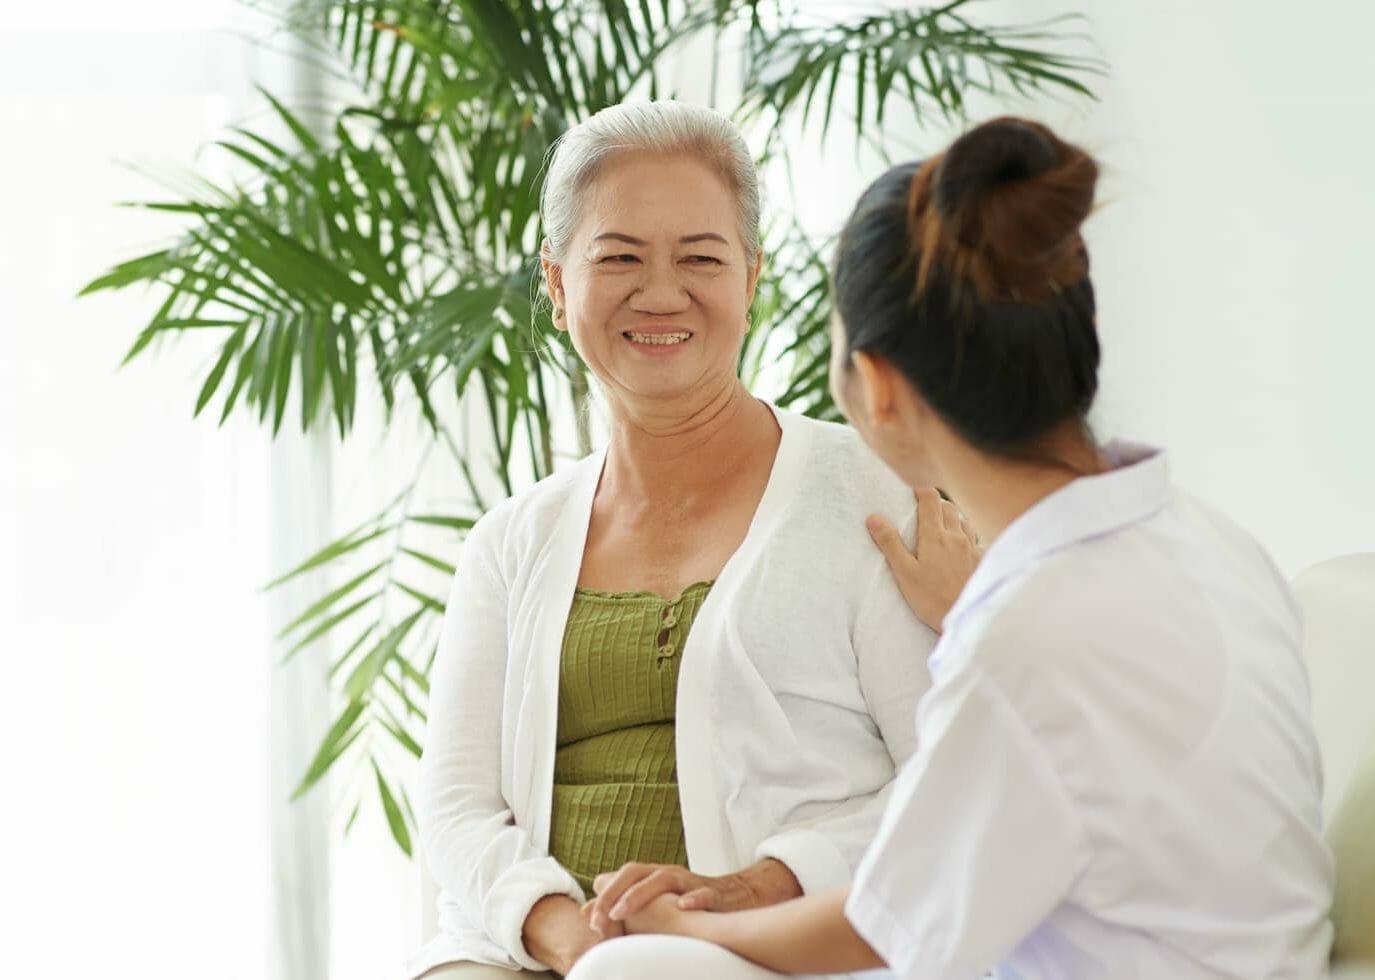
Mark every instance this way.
x=662 y=897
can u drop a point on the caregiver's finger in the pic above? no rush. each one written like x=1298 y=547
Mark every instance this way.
x=901 y=562
x=928 y=516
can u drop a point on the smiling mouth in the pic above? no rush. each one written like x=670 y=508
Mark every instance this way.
x=657 y=339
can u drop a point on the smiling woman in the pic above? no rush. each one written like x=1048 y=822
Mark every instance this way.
x=654 y=249
x=660 y=269
x=673 y=667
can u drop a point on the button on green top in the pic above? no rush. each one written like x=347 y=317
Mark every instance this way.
x=615 y=773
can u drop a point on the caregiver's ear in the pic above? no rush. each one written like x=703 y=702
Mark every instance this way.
x=877 y=383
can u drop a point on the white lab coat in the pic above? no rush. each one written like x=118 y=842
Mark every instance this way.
x=796 y=693
x=1116 y=773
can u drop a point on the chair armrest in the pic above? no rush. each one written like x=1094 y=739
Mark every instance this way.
x=1354 y=971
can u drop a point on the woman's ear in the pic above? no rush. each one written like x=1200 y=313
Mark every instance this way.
x=752 y=277
x=553 y=284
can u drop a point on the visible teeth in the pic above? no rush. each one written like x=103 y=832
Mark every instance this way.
x=658 y=338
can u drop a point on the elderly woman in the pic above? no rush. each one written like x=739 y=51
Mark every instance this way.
x=682 y=652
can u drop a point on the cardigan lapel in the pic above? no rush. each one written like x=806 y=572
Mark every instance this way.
x=711 y=843
x=547 y=600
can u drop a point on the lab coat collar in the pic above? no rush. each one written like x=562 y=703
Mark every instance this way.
x=1085 y=508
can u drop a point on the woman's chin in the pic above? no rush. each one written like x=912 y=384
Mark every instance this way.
x=667 y=387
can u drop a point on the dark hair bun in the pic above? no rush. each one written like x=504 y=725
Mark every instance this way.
x=968 y=274
x=1014 y=194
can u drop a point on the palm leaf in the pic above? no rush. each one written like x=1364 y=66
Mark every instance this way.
x=389 y=256
x=930 y=58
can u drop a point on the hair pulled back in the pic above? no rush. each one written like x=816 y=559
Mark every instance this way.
x=666 y=127
x=968 y=273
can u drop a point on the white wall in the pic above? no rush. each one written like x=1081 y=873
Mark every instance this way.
x=1234 y=256
x=1233 y=250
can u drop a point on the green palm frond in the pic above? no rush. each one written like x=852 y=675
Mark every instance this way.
x=791 y=324
x=928 y=59
x=393 y=608
x=392 y=255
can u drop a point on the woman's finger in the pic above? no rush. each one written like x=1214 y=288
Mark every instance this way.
x=646 y=890
x=610 y=885
x=610 y=888
x=708 y=898
x=950 y=516
x=597 y=919
x=663 y=916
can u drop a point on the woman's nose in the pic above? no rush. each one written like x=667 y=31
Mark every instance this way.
x=661 y=292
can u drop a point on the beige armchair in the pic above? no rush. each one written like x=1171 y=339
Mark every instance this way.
x=1338 y=599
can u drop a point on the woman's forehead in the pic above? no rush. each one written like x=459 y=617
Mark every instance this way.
x=641 y=194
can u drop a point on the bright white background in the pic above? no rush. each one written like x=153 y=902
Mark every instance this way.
x=1233 y=251
x=150 y=739
x=152 y=742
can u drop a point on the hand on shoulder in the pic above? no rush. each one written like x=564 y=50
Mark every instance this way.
x=932 y=575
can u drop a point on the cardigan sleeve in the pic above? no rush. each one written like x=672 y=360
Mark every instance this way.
x=476 y=853
x=891 y=649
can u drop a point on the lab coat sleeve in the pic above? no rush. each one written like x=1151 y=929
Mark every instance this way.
x=979 y=844
x=475 y=851
x=891 y=648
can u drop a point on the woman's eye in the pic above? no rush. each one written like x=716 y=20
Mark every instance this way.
x=704 y=259
x=620 y=258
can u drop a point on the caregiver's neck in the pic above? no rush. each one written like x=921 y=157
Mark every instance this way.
x=687 y=446
x=994 y=490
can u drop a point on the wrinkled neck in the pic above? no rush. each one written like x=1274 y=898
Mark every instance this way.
x=675 y=451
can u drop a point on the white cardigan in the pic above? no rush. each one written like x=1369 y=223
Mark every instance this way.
x=796 y=701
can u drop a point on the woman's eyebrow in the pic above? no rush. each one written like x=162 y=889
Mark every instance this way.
x=706 y=236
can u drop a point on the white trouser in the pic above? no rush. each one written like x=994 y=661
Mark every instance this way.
x=630 y=958
x=479 y=971
x=664 y=958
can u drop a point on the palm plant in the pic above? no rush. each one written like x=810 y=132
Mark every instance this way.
x=394 y=253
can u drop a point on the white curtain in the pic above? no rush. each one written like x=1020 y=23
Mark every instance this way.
x=152 y=739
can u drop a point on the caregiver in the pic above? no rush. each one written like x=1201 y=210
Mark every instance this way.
x=1116 y=774
x=682 y=652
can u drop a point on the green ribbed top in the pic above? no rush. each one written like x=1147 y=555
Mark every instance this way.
x=615 y=774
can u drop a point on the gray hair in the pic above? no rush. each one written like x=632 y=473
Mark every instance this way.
x=660 y=127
